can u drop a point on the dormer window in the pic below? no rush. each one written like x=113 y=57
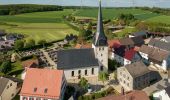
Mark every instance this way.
x=45 y=90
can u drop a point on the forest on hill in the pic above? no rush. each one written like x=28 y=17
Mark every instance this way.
x=14 y=9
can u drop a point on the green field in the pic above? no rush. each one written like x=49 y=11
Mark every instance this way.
x=50 y=25
x=39 y=25
x=112 y=13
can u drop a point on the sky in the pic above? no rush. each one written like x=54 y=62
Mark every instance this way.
x=105 y=3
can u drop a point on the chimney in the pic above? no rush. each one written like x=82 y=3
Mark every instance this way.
x=122 y=91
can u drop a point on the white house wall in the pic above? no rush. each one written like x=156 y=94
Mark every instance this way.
x=120 y=60
x=68 y=73
x=161 y=95
x=144 y=55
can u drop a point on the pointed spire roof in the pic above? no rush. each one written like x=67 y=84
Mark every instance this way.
x=100 y=39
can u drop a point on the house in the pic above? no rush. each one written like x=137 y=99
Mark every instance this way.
x=157 y=34
x=142 y=34
x=159 y=44
x=43 y=84
x=162 y=94
x=6 y=45
x=13 y=36
x=86 y=62
x=134 y=76
x=2 y=33
x=32 y=63
x=124 y=55
x=9 y=87
x=114 y=28
x=160 y=58
x=81 y=46
x=78 y=63
x=131 y=42
x=70 y=37
x=138 y=41
x=166 y=39
x=84 y=20
x=131 y=95
x=128 y=42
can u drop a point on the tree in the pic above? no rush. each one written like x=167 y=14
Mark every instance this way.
x=142 y=26
x=19 y=44
x=30 y=43
x=103 y=76
x=12 y=12
x=89 y=27
x=42 y=42
x=83 y=83
x=5 y=67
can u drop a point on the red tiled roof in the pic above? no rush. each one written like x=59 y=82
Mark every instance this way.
x=133 y=95
x=42 y=79
x=113 y=43
x=83 y=46
x=136 y=48
x=129 y=54
x=30 y=63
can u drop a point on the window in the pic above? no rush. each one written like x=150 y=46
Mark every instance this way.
x=101 y=54
x=38 y=98
x=103 y=48
x=72 y=73
x=45 y=90
x=85 y=72
x=10 y=84
x=101 y=68
x=79 y=72
x=12 y=95
x=35 y=89
x=92 y=71
x=7 y=86
x=31 y=98
x=99 y=49
x=24 y=98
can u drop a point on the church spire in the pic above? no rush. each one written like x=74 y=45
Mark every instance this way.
x=100 y=39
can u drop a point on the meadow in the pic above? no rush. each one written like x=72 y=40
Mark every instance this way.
x=50 y=25
x=39 y=25
x=112 y=13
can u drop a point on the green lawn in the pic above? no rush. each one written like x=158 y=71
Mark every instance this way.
x=38 y=25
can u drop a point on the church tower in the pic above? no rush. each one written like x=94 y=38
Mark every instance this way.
x=100 y=43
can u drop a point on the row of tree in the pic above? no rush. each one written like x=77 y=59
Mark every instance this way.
x=27 y=8
x=165 y=11
x=20 y=44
